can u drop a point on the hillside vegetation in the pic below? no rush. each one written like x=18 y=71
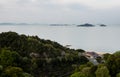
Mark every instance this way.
x=110 y=67
x=30 y=56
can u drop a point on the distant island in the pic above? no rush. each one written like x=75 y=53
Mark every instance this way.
x=103 y=25
x=12 y=23
x=59 y=24
x=7 y=23
x=86 y=25
x=91 y=25
x=25 y=24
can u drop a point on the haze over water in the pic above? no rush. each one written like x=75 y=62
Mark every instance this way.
x=99 y=39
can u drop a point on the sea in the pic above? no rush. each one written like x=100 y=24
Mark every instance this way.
x=92 y=39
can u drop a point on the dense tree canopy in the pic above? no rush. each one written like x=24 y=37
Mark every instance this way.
x=109 y=68
x=102 y=72
x=28 y=56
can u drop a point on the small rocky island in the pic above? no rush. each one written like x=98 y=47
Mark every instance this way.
x=86 y=25
x=103 y=25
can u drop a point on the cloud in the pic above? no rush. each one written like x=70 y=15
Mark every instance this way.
x=94 y=4
x=60 y=11
x=101 y=4
x=90 y=4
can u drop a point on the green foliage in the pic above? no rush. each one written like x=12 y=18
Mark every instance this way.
x=105 y=56
x=80 y=50
x=92 y=71
x=36 y=57
x=102 y=72
x=78 y=74
x=13 y=71
x=1 y=67
x=30 y=56
x=8 y=58
x=117 y=54
x=113 y=64
x=86 y=71
x=99 y=59
x=118 y=75
x=27 y=75
x=89 y=64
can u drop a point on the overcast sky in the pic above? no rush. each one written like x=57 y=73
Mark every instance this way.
x=60 y=11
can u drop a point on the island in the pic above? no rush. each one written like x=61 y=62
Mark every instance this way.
x=103 y=25
x=86 y=25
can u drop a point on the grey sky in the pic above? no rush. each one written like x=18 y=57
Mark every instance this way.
x=60 y=11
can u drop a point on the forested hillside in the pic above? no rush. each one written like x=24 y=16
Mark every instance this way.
x=30 y=56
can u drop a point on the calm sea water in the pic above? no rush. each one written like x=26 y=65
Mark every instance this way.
x=99 y=39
